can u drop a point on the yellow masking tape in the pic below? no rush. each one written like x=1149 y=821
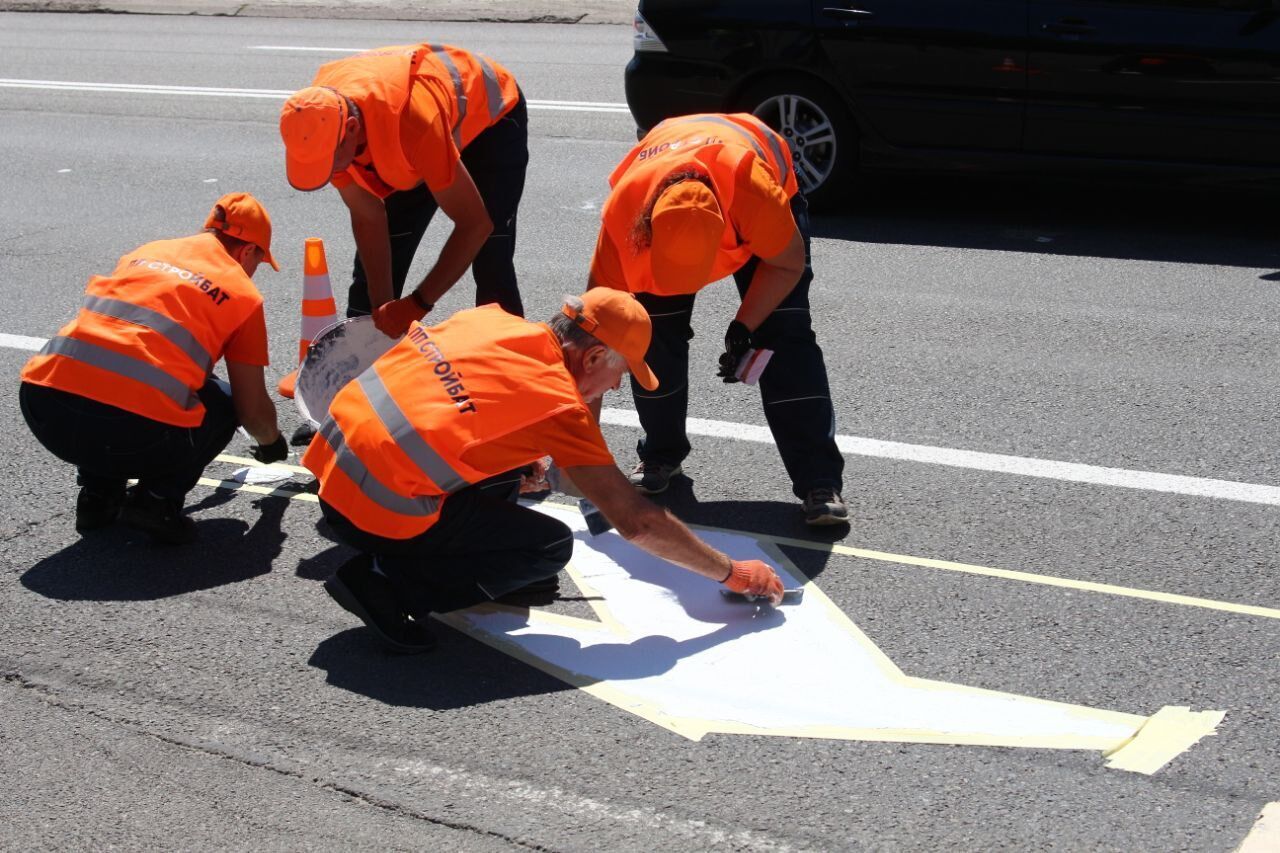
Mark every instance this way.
x=1169 y=732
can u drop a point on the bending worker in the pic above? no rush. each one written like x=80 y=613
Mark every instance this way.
x=400 y=131
x=126 y=389
x=416 y=463
x=698 y=198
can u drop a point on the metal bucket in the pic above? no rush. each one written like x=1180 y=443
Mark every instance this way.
x=340 y=353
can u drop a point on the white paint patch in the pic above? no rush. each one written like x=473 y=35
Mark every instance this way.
x=998 y=463
x=273 y=94
x=465 y=783
x=63 y=171
x=257 y=475
x=210 y=180
x=669 y=648
x=21 y=342
x=1265 y=836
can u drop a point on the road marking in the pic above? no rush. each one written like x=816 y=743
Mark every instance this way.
x=668 y=648
x=862 y=553
x=1265 y=835
x=997 y=463
x=273 y=94
x=21 y=342
x=1018 y=465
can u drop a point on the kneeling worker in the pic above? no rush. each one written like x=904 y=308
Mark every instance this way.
x=126 y=390
x=417 y=463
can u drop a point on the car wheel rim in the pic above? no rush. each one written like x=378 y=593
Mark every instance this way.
x=809 y=134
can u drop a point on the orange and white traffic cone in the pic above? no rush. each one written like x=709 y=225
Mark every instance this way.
x=318 y=308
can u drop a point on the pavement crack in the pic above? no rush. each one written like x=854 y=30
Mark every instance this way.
x=49 y=695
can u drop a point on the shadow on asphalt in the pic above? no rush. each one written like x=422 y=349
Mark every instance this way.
x=1150 y=223
x=460 y=672
x=772 y=518
x=118 y=564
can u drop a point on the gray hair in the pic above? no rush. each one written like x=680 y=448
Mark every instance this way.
x=574 y=337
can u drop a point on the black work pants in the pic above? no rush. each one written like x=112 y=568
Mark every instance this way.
x=497 y=160
x=483 y=546
x=110 y=446
x=793 y=388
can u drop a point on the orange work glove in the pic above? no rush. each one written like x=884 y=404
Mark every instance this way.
x=755 y=577
x=393 y=318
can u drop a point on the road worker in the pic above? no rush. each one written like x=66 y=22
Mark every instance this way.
x=418 y=463
x=698 y=198
x=126 y=389
x=400 y=131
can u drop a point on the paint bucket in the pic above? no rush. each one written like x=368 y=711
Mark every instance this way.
x=340 y=353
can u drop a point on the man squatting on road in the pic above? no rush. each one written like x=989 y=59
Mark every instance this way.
x=419 y=458
x=698 y=198
x=126 y=389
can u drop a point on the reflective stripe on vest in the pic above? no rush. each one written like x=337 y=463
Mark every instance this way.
x=123 y=365
x=406 y=437
x=779 y=159
x=458 y=94
x=370 y=486
x=157 y=322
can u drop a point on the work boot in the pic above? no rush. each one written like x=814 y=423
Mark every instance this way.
x=95 y=510
x=303 y=434
x=824 y=506
x=653 y=478
x=368 y=594
x=162 y=518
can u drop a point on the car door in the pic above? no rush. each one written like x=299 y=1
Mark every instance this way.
x=931 y=73
x=1171 y=80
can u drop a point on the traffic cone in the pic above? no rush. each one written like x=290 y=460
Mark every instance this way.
x=318 y=308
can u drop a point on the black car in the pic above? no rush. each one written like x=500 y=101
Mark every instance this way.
x=1162 y=88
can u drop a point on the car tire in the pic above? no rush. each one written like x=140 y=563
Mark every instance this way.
x=823 y=136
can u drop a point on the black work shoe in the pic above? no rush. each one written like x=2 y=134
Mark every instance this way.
x=162 y=518
x=824 y=506
x=302 y=435
x=360 y=590
x=652 y=478
x=95 y=510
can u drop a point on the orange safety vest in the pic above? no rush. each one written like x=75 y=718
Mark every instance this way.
x=480 y=93
x=148 y=335
x=723 y=146
x=392 y=448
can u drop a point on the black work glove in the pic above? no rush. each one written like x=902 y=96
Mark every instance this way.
x=276 y=451
x=737 y=341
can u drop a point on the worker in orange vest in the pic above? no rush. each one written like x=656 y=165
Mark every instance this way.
x=419 y=459
x=126 y=389
x=400 y=131
x=699 y=198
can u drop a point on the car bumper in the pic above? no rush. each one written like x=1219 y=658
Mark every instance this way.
x=659 y=86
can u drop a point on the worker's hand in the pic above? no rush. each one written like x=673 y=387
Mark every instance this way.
x=276 y=451
x=533 y=478
x=755 y=577
x=393 y=318
x=737 y=340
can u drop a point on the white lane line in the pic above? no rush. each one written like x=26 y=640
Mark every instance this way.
x=274 y=94
x=1018 y=465
x=21 y=342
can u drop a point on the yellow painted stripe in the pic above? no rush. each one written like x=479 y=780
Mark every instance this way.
x=900 y=559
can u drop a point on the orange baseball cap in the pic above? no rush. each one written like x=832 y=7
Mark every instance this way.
x=245 y=219
x=311 y=123
x=687 y=228
x=619 y=322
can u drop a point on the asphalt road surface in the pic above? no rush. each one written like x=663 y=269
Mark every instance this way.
x=1058 y=404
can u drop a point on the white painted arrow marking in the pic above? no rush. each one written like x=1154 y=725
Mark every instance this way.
x=667 y=647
